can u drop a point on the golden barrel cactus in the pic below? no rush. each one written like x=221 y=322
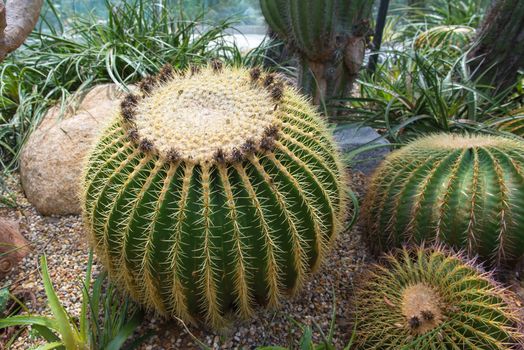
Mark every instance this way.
x=429 y=298
x=466 y=191
x=214 y=189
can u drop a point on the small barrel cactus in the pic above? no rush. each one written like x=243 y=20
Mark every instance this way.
x=465 y=191
x=428 y=298
x=214 y=188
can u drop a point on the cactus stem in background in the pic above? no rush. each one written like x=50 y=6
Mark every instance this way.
x=329 y=37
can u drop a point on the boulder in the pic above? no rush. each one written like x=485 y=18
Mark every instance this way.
x=13 y=246
x=51 y=162
x=352 y=137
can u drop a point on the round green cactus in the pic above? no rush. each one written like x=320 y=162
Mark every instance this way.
x=432 y=299
x=214 y=189
x=465 y=191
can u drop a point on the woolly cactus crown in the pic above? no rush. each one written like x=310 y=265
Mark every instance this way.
x=211 y=115
x=215 y=188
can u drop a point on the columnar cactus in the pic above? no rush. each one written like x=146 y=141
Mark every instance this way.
x=433 y=299
x=465 y=191
x=330 y=38
x=215 y=188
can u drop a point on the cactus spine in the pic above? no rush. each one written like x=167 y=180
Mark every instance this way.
x=433 y=299
x=329 y=37
x=465 y=191
x=216 y=188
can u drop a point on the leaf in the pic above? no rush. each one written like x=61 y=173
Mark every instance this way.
x=4 y=298
x=68 y=333
x=23 y=320
x=125 y=332
x=45 y=333
x=84 y=326
x=49 y=346
x=306 y=342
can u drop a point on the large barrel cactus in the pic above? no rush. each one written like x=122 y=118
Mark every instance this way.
x=465 y=191
x=214 y=189
x=432 y=299
x=329 y=37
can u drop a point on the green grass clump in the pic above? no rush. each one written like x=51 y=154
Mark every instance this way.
x=463 y=190
x=431 y=299
x=106 y=321
x=414 y=93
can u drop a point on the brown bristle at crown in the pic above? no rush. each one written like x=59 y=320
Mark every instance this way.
x=269 y=79
x=195 y=69
x=249 y=146
x=217 y=65
x=128 y=107
x=173 y=156
x=272 y=131
x=414 y=322
x=236 y=155
x=166 y=73
x=131 y=100
x=146 y=145
x=277 y=91
x=267 y=143
x=219 y=156
x=147 y=85
x=255 y=74
x=128 y=113
x=133 y=134
x=427 y=315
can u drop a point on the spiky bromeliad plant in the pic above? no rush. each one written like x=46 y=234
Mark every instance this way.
x=464 y=190
x=329 y=37
x=428 y=298
x=215 y=188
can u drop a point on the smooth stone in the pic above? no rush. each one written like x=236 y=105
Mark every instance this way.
x=351 y=137
x=52 y=161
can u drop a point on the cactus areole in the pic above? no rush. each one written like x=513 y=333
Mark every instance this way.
x=213 y=189
x=465 y=191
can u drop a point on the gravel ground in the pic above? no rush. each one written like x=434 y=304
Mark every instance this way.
x=63 y=241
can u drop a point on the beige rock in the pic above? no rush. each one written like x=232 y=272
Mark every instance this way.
x=52 y=160
x=13 y=246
